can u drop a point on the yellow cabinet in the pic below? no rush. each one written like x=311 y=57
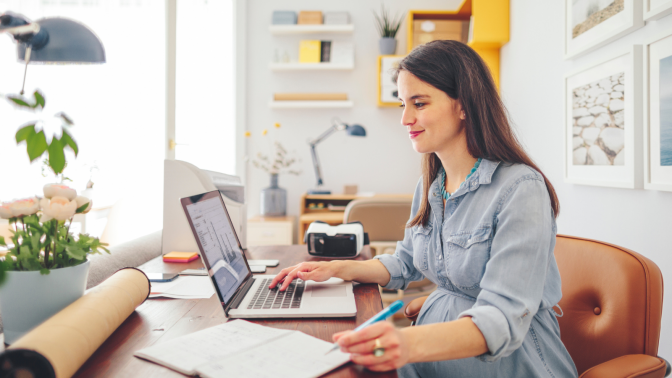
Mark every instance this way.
x=270 y=231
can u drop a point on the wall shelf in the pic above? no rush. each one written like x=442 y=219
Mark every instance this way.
x=311 y=66
x=311 y=29
x=489 y=23
x=310 y=104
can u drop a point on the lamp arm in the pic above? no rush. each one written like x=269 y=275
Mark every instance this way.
x=316 y=164
x=23 y=30
x=324 y=135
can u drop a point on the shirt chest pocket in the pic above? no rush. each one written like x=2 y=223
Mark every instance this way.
x=468 y=253
x=421 y=239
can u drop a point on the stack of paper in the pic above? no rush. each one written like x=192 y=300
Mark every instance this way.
x=183 y=287
x=243 y=349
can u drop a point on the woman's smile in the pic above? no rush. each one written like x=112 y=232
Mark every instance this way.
x=413 y=134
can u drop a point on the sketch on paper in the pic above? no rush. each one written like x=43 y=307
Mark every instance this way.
x=586 y=14
x=598 y=135
x=666 y=111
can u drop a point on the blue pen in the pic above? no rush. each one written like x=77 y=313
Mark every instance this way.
x=386 y=313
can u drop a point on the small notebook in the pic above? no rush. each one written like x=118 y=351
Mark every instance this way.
x=243 y=349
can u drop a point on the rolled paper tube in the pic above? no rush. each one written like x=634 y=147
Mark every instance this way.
x=60 y=346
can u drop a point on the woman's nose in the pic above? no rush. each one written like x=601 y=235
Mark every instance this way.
x=407 y=117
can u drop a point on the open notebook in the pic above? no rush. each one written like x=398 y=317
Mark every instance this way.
x=241 y=349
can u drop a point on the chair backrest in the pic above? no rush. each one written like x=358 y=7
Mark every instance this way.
x=384 y=219
x=612 y=301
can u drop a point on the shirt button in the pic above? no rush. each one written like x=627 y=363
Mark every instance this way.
x=469 y=241
x=440 y=257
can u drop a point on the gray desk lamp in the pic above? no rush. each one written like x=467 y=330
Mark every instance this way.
x=337 y=125
x=52 y=40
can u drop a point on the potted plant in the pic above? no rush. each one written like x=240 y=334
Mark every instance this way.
x=46 y=267
x=274 y=198
x=388 y=27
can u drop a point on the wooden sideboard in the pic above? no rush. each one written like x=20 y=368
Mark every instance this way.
x=328 y=208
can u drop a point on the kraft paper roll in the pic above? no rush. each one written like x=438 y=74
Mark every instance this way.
x=60 y=346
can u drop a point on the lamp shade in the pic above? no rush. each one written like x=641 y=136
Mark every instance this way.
x=69 y=42
x=356 y=130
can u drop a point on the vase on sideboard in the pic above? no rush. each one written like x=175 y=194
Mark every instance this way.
x=273 y=199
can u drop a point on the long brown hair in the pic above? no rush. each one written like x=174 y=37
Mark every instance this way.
x=457 y=70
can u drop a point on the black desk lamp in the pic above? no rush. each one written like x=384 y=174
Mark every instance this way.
x=337 y=125
x=52 y=40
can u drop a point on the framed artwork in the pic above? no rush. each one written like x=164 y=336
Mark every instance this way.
x=603 y=110
x=590 y=24
x=387 y=89
x=656 y=9
x=658 y=113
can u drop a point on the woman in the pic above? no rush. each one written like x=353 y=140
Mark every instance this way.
x=482 y=228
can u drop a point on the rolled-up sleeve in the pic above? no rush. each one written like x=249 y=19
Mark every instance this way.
x=400 y=264
x=514 y=277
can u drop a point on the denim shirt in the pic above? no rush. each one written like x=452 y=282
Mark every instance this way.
x=490 y=251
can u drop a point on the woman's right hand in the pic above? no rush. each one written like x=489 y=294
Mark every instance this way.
x=316 y=271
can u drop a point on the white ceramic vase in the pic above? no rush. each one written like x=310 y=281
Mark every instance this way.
x=29 y=298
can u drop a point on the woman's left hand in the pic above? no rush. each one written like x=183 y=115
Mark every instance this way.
x=362 y=343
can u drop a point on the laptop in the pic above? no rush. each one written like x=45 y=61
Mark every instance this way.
x=243 y=295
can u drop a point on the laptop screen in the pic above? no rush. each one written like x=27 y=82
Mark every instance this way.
x=218 y=241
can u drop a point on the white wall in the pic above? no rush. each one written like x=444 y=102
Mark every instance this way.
x=384 y=161
x=532 y=69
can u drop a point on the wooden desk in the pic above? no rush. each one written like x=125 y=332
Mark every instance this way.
x=159 y=320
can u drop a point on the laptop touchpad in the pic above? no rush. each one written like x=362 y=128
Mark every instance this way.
x=327 y=291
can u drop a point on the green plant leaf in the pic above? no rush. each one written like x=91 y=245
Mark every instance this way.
x=35 y=242
x=24 y=132
x=19 y=101
x=37 y=145
x=2 y=241
x=67 y=140
x=39 y=99
x=82 y=208
x=44 y=271
x=75 y=252
x=56 y=156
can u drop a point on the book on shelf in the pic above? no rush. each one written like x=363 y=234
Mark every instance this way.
x=325 y=54
x=342 y=53
x=310 y=18
x=309 y=51
x=242 y=349
x=310 y=96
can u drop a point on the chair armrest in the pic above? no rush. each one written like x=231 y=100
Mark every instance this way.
x=413 y=308
x=630 y=366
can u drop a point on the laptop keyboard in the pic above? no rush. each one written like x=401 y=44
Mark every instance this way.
x=265 y=298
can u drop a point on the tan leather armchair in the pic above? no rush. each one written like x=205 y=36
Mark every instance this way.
x=384 y=219
x=612 y=303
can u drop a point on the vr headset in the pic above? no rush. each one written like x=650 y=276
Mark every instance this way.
x=344 y=241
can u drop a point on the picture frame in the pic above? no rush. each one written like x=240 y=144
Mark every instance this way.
x=603 y=113
x=656 y=9
x=657 y=130
x=386 y=88
x=590 y=24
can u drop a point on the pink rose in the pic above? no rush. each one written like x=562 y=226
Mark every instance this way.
x=81 y=201
x=5 y=210
x=54 y=190
x=59 y=208
x=26 y=206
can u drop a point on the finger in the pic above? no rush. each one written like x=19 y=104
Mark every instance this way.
x=288 y=280
x=387 y=341
x=279 y=277
x=338 y=335
x=387 y=366
x=371 y=360
x=371 y=332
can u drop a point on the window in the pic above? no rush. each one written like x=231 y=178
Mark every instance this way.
x=118 y=107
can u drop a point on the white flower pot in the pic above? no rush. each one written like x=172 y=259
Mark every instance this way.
x=29 y=298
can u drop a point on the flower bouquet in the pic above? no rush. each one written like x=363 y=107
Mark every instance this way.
x=46 y=267
x=41 y=239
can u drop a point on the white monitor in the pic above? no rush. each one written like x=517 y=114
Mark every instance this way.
x=182 y=179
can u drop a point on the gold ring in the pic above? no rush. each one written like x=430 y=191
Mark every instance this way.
x=378 y=349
